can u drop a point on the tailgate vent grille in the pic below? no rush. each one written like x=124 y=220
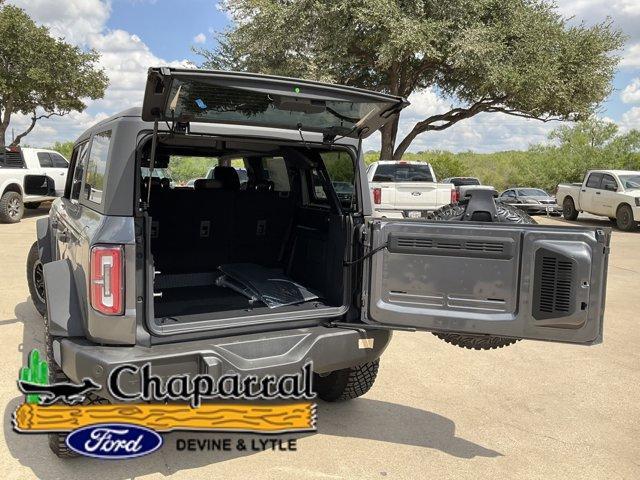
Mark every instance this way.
x=553 y=286
x=419 y=243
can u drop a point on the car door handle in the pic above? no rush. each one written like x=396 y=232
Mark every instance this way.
x=597 y=193
x=583 y=190
x=63 y=236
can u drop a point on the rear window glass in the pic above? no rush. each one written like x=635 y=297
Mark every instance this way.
x=403 y=172
x=97 y=166
x=203 y=101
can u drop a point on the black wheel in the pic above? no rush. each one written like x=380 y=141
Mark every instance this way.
x=348 y=383
x=624 y=218
x=506 y=214
x=11 y=207
x=35 y=280
x=32 y=206
x=57 y=441
x=569 y=209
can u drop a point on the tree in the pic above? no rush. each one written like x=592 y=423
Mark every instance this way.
x=64 y=148
x=41 y=76
x=518 y=57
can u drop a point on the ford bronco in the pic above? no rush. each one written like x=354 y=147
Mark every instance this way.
x=262 y=277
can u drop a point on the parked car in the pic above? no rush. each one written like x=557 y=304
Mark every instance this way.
x=28 y=177
x=344 y=191
x=610 y=193
x=264 y=280
x=407 y=189
x=465 y=184
x=531 y=200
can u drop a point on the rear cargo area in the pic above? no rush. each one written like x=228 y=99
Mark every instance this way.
x=223 y=250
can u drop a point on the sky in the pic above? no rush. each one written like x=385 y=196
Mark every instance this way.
x=132 y=35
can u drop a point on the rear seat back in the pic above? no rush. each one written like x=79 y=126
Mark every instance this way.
x=262 y=220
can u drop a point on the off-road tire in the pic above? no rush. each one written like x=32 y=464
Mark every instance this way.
x=348 y=383
x=506 y=214
x=569 y=211
x=32 y=205
x=624 y=219
x=35 y=280
x=57 y=442
x=11 y=207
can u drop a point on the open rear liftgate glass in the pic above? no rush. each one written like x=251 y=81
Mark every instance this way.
x=523 y=281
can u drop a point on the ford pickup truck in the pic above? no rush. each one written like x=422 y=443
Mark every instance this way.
x=610 y=193
x=407 y=189
x=28 y=177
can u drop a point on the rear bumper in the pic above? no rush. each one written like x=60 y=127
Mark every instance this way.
x=272 y=353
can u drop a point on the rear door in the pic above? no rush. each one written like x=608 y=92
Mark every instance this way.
x=590 y=194
x=188 y=95
x=522 y=281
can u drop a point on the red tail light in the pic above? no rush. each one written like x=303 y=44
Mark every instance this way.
x=107 y=279
x=455 y=195
x=377 y=196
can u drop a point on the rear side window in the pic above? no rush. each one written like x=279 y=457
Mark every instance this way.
x=609 y=183
x=403 y=172
x=97 y=166
x=594 y=180
x=45 y=160
x=58 y=161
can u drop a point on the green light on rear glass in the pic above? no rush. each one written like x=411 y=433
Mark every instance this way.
x=297 y=89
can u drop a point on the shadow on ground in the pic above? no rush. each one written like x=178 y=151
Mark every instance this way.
x=362 y=418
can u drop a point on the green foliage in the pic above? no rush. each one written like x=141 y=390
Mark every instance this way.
x=42 y=76
x=519 y=57
x=183 y=169
x=37 y=371
x=64 y=148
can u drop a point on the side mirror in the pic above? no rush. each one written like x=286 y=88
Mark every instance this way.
x=611 y=188
x=40 y=185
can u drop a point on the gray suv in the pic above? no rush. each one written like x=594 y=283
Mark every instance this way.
x=263 y=277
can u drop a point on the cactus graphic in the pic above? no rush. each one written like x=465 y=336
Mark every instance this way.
x=36 y=372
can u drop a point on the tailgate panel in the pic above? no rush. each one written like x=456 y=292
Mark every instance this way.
x=523 y=281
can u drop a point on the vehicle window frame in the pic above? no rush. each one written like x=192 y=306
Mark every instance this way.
x=68 y=188
x=85 y=195
x=507 y=192
x=591 y=175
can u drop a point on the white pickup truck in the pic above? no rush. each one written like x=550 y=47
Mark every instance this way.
x=406 y=189
x=28 y=177
x=610 y=193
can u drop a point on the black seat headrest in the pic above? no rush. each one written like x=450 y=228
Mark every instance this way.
x=228 y=177
x=207 y=184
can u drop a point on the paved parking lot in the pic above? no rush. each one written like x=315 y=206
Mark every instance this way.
x=532 y=410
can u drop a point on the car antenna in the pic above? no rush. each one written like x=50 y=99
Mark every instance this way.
x=152 y=159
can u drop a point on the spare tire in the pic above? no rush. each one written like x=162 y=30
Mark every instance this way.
x=506 y=214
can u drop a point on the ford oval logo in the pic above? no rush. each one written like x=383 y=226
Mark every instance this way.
x=114 y=441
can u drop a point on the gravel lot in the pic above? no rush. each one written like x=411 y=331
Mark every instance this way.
x=532 y=410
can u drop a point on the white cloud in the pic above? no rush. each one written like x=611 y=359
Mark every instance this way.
x=630 y=120
x=200 y=38
x=631 y=56
x=631 y=93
